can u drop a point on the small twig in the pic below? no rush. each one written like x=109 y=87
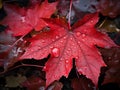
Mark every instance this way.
x=26 y=65
x=31 y=65
x=16 y=42
x=102 y=23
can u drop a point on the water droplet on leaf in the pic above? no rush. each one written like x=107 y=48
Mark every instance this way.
x=78 y=42
x=43 y=41
x=69 y=49
x=55 y=76
x=83 y=39
x=67 y=52
x=61 y=41
x=51 y=47
x=65 y=74
x=55 y=52
x=61 y=59
x=44 y=68
x=91 y=21
x=76 y=57
x=66 y=61
x=65 y=37
x=23 y=19
x=71 y=38
x=80 y=70
x=56 y=37
x=83 y=35
x=78 y=34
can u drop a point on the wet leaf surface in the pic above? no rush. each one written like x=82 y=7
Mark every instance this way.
x=64 y=45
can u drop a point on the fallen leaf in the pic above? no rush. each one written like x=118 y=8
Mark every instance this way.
x=21 y=20
x=108 y=25
x=112 y=59
x=109 y=8
x=82 y=83
x=34 y=83
x=64 y=44
x=14 y=81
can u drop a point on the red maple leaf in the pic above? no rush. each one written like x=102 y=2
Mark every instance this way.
x=21 y=21
x=64 y=44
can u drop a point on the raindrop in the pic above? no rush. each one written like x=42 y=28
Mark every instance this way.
x=44 y=68
x=61 y=41
x=71 y=38
x=65 y=37
x=91 y=21
x=43 y=41
x=83 y=35
x=78 y=34
x=34 y=54
x=51 y=46
x=78 y=42
x=55 y=76
x=69 y=49
x=56 y=37
x=77 y=57
x=61 y=59
x=65 y=74
x=67 y=52
x=66 y=65
x=80 y=70
x=55 y=52
x=66 y=61
x=23 y=19
x=83 y=39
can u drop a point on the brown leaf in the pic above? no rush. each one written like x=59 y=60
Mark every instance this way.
x=82 y=83
x=112 y=59
x=55 y=86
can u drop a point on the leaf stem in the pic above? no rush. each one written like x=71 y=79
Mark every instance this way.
x=69 y=15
